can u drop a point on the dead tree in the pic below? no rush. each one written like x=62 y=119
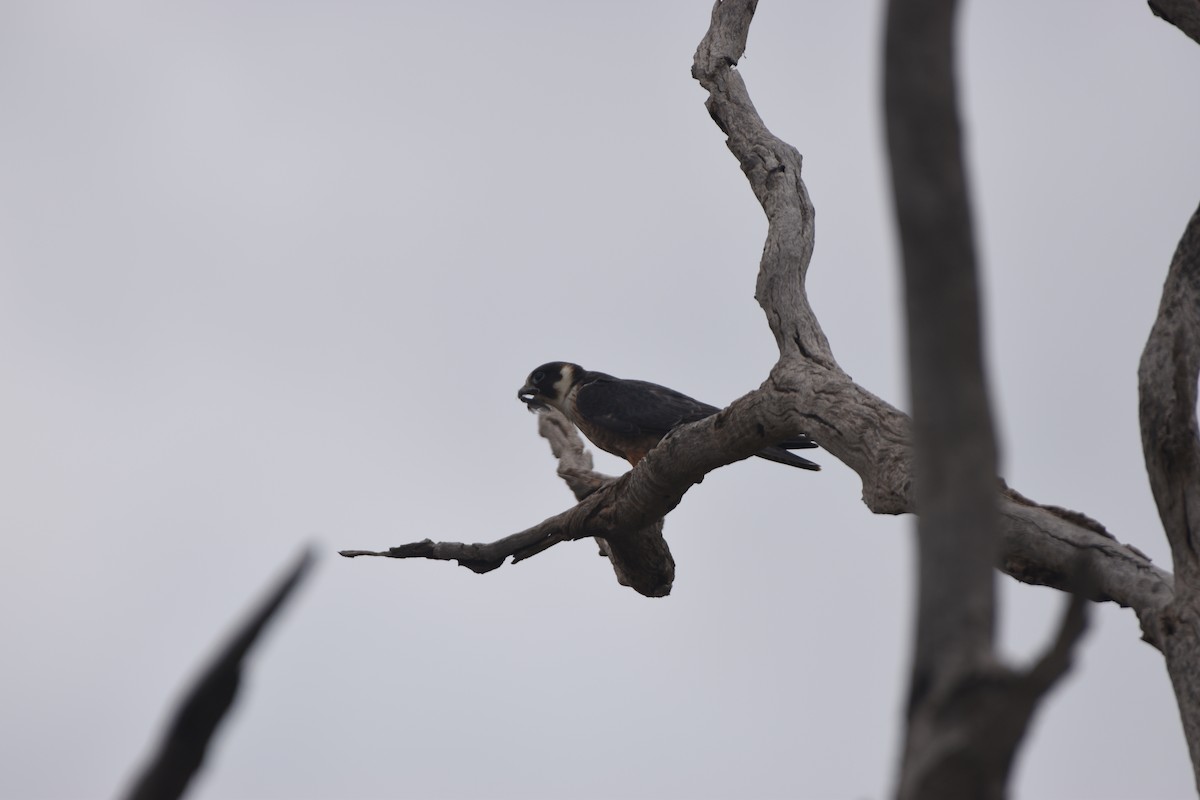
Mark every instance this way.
x=967 y=712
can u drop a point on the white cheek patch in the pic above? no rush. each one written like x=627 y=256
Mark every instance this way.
x=562 y=386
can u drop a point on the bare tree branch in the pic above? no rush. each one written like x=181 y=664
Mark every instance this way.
x=634 y=544
x=807 y=392
x=971 y=728
x=182 y=749
x=955 y=446
x=574 y=460
x=773 y=168
x=1167 y=387
x=967 y=713
x=1056 y=661
x=641 y=560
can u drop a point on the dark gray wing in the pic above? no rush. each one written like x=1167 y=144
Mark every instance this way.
x=641 y=409
x=636 y=408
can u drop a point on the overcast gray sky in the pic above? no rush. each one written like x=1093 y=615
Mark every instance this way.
x=272 y=273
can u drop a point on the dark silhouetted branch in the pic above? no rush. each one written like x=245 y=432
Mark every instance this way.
x=955 y=474
x=182 y=750
x=970 y=728
x=967 y=713
x=1183 y=14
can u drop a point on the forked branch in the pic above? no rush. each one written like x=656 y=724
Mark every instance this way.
x=807 y=392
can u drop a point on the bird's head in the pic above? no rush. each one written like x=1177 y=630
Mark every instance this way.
x=549 y=384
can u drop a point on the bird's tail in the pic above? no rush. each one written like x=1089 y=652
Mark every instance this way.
x=780 y=455
x=801 y=442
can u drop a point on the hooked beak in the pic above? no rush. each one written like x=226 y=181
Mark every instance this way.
x=529 y=396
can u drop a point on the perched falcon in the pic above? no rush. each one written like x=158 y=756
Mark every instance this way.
x=627 y=418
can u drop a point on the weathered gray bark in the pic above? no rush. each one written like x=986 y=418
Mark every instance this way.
x=967 y=714
x=806 y=391
x=1167 y=379
x=641 y=559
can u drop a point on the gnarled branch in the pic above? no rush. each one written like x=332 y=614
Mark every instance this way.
x=631 y=539
x=807 y=392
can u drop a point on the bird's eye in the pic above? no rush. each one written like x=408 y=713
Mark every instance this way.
x=538 y=376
